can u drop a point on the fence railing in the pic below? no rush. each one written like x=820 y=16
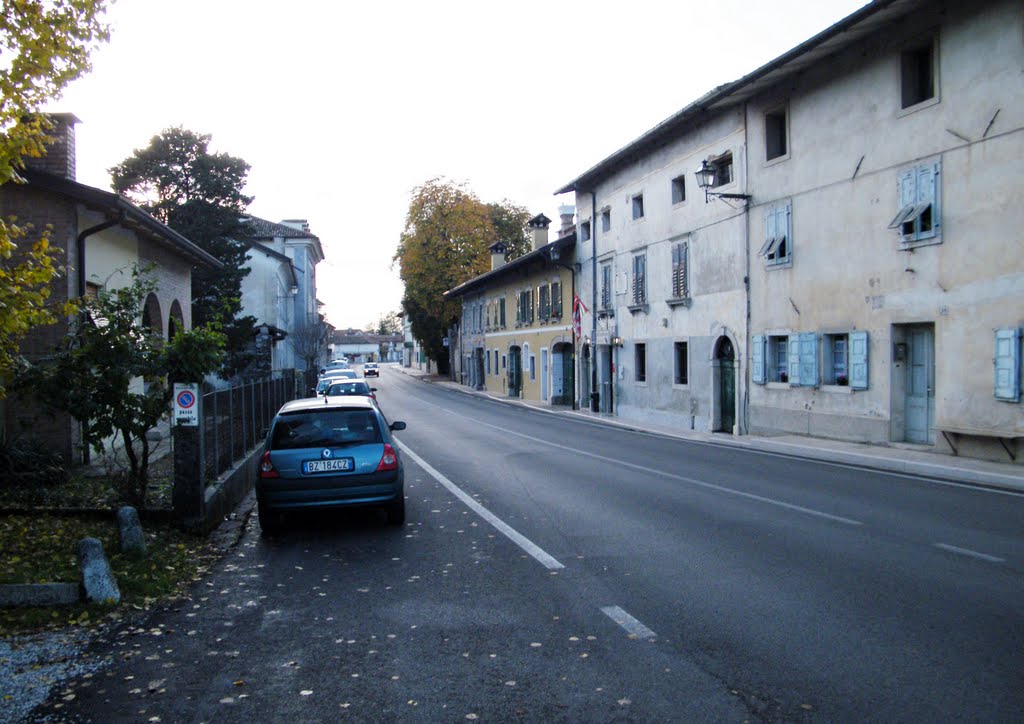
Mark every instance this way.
x=236 y=420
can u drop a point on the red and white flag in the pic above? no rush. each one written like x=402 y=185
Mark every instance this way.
x=577 y=306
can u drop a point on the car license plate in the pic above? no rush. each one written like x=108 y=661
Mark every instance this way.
x=327 y=466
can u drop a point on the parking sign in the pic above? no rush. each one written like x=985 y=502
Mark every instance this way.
x=186 y=404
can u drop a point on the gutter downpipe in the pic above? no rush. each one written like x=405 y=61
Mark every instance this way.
x=80 y=253
x=595 y=396
x=746 y=278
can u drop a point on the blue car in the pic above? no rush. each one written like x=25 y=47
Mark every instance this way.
x=333 y=452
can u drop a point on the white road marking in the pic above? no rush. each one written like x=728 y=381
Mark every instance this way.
x=968 y=552
x=632 y=626
x=525 y=543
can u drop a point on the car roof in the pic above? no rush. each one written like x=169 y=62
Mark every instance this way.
x=326 y=403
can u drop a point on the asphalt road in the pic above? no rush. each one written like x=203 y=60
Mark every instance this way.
x=556 y=569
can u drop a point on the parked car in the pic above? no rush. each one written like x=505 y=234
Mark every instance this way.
x=332 y=453
x=370 y=369
x=339 y=388
x=334 y=375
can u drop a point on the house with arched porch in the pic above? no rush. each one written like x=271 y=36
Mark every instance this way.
x=102 y=237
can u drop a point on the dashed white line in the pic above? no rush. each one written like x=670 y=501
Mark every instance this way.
x=630 y=624
x=520 y=540
x=970 y=553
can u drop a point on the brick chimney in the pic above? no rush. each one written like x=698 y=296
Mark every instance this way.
x=566 y=213
x=497 y=250
x=539 y=230
x=60 y=151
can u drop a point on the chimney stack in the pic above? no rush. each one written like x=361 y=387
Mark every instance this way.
x=539 y=228
x=567 y=213
x=498 y=250
x=300 y=224
x=60 y=150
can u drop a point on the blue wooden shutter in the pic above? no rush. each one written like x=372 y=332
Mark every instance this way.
x=794 y=359
x=757 y=359
x=808 y=359
x=783 y=228
x=1007 y=363
x=859 y=360
x=926 y=194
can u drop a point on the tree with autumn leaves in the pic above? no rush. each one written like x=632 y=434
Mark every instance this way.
x=448 y=231
x=43 y=47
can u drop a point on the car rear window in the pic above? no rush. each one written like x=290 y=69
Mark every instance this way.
x=348 y=388
x=325 y=428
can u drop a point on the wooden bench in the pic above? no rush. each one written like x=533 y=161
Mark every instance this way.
x=953 y=434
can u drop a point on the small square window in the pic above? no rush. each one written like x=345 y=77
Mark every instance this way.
x=682 y=363
x=640 y=361
x=638 y=206
x=585 y=231
x=775 y=133
x=606 y=220
x=917 y=73
x=678 y=189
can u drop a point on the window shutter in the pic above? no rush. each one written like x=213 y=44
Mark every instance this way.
x=783 y=227
x=908 y=188
x=808 y=359
x=794 y=359
x=769 y=230
x=1007 y=363
x=859 y=360
x=926 y=188
x=757 y=359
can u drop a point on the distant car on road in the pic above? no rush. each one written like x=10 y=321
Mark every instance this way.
x=370 y=369
x=328 y=454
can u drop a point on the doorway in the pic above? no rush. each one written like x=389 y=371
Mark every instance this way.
x=725 y=390
x=515 y=371
x=919 y=402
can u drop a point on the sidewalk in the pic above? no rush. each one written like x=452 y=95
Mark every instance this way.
x=916 y=460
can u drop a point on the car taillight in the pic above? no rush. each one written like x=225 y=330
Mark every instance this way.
x=389 y=460
x=266 y=467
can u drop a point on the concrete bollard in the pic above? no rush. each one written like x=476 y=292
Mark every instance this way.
x=128 y=525
x=97 y=578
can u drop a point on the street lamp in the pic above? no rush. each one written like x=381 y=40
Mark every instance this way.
x=706 y=181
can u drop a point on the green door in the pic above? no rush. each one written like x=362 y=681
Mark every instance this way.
x=726 y=385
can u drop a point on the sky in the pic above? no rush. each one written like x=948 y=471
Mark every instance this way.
x=342 y=109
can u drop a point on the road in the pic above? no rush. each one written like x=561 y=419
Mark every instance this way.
x=553 y=568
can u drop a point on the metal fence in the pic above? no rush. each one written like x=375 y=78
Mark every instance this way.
x=237 y=419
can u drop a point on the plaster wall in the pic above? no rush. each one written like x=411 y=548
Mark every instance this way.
x=849 y=138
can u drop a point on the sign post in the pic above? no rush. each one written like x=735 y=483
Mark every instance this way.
x=189 y=454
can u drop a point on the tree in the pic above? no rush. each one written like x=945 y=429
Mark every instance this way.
x=447 y=233
x=310 y=342
x=45 y=46
x=95 y=375
x=509 y=223
x=199 y=194
x=389 y=323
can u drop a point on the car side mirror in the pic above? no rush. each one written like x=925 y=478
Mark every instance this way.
x=373 y=389
x=396 y=425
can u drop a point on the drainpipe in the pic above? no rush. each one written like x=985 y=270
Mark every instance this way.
x=595 y=396
x=80 y=252
x=746 y=277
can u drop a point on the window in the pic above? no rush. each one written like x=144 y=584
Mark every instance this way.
x=769 y=359
x=640 y=279
x=533 y=366
x=488 y=356
x=544 y=301
x=495 y=361
x=723 y=169
x=585 y=231
x=556 y=298
x=524 y=307
x=835 y=362
x=918 y=217
x=606 y=220
x=92 y=290
x=917 y=73
x=1007 y=364
x=682 y=363
x=679 y=189
x=638 y=206
x=640 y=361
x=680 y=276
x=775 y=133
x=606 y=286
x=778 y=246
x=501 y=311
x=504 y=361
